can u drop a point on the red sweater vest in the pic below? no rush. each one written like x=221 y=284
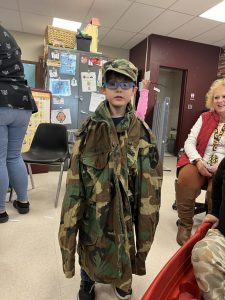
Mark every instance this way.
x=210 y=121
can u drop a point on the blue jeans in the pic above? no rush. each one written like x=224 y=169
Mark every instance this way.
x=13 y=126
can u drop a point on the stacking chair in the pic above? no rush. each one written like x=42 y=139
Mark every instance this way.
x=49 y=147
x=176 y=281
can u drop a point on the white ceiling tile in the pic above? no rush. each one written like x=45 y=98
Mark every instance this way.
x=40 y=7
x=211 y=36
x=123 y=22
x=158 y=3
x=10 y=19
x=166 y=23
x=193 y=7
x=102 y=32
x=107 y=11
x=143 y=13
x=117 y=38
x=193 y=28
x=68 y=9
x=10 y=4
x=134 y=41
x=220 y=43
x=34 y=23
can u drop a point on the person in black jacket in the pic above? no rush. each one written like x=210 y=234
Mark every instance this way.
x=208 y=255
x=16 y=106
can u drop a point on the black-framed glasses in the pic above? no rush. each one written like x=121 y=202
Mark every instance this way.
x=113 y=85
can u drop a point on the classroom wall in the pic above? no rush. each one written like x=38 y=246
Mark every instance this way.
x=32 y=47
x=200 y=62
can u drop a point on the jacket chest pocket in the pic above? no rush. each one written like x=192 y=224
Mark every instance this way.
x=97 y=161
x=95 y=174
x=132 y=153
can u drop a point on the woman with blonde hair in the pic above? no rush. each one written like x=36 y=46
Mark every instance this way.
x=204 y=149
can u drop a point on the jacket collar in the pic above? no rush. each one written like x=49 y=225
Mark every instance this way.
x=102 y=114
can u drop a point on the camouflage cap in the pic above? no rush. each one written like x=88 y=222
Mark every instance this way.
x=121 y=66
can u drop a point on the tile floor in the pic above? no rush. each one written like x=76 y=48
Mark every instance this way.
x=30 y=261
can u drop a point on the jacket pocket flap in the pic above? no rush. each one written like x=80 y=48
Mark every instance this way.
x=95 y=160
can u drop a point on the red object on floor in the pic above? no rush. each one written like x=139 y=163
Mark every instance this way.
x=176 y=280
x=39 y=168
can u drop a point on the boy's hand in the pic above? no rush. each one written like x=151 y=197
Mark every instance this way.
x=211 y=219
x=146 y=84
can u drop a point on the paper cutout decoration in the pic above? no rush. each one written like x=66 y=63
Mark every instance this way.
x=53 y=63
x=53 y=73
x=84 y=59
x=55 y=55
x=73 y=82
x=95 y=61
x=58 y=100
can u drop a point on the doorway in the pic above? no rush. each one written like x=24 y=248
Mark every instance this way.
x=170 y=83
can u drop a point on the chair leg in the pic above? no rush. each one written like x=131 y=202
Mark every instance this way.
x=59 y=184
x=31 y=176
x=10 y=194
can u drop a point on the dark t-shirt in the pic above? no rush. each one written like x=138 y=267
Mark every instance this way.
x=218 y=196
x=14 y=91
x=117 y=120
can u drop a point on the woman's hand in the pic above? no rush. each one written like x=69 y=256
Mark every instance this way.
x=211 y=219
x=213 y=169
x=146 y=84
x=203 y=168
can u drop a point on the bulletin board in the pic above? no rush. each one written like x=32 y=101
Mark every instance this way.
x=221 y=64
x=43 y=102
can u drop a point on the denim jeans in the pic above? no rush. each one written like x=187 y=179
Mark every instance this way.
x=13 y=126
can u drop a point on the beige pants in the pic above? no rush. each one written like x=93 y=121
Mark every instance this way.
x=208 y=260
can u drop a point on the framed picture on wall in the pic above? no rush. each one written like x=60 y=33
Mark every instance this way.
x=43 y=100
x=30 y=72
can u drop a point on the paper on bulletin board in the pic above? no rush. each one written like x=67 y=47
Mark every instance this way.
x=43 y=102
x=60 y=87
x=88 y=80
x=96 y=99
x=61 y=116
x=68 y=64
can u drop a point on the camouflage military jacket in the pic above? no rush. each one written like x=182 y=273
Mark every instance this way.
x=112 y=198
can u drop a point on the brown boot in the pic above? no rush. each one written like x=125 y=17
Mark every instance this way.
x=185 y=198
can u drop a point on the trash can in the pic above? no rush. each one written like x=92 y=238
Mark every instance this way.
x=171 y=146
x=83 y=42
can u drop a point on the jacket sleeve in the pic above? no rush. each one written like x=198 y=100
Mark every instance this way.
x=142 y=104
x=191 y=141
x=149 y=182
x=72 y=212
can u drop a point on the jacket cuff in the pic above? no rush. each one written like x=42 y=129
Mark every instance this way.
x=140 y=266
x=69 y=274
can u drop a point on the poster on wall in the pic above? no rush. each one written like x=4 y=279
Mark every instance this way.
x=88 y=81
x=43 y=101
x=68 y=64
x=221 y=64
x=60 y=87
x=61 y=116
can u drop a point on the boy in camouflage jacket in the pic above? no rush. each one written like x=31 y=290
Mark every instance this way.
x=113 y=189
